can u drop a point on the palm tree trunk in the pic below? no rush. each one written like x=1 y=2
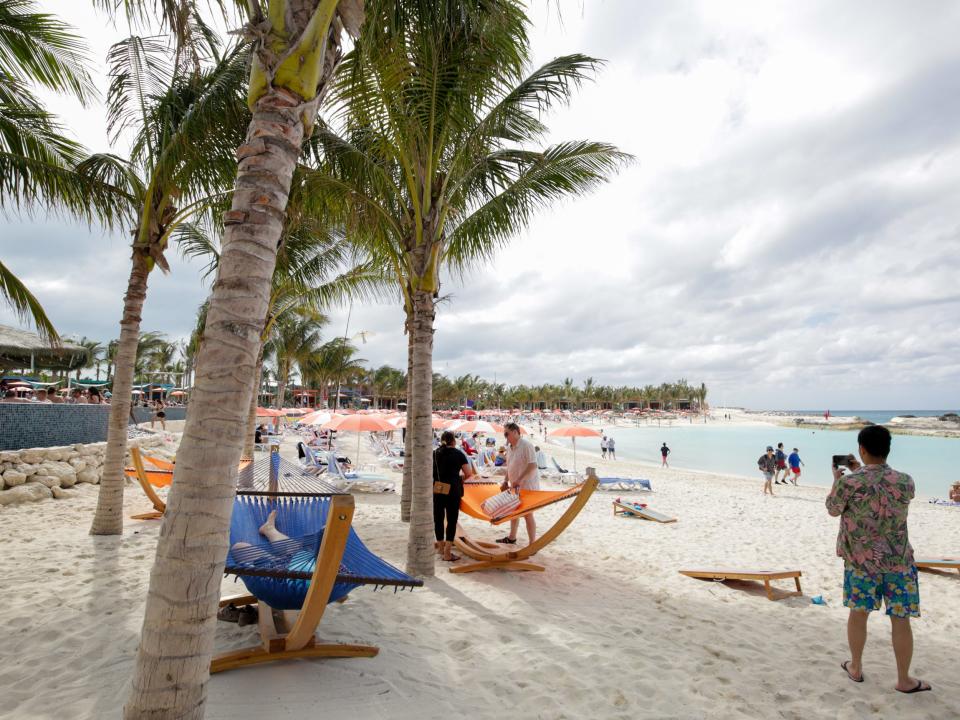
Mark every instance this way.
x=252 y=415
x=173 y=661
x=406 y=487
x=108 y=519
x=420 y=551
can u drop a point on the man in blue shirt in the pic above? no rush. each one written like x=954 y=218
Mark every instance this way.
x=794 y=462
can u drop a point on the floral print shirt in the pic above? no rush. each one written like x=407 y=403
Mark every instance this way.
x=872 y=503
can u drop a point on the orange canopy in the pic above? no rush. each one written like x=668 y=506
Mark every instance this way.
x=530 y=500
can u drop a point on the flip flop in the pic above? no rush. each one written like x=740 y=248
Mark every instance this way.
x=849 y=675
x=506 y=541
x=452 y=558
x=918 y=688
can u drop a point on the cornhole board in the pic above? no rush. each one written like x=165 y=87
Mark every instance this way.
x=631 y=510
x=938 y=564
x=764 y=576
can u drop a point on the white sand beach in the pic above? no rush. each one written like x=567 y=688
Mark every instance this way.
x=609 y=630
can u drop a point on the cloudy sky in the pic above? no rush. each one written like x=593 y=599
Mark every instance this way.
x=789 y=234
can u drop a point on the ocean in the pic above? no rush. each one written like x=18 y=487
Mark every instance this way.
x=875 y=416
x=730 y=449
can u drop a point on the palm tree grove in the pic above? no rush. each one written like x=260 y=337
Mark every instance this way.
x=304 y=299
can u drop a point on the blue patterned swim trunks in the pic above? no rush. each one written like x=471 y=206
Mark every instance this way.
x=899 y=591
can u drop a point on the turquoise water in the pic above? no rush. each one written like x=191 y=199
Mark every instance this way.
x=934 y=463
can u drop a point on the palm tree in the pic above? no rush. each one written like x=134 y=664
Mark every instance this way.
x=292 y=343
x=296 y=50
x=185 y=128
x=94 y=353
x=37 y=159
x=429 y=159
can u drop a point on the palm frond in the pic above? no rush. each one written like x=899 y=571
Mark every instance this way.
x=26 y=307
x=39 y=48
x=138 y=67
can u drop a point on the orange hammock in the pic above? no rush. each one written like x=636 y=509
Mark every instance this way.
x=157 y=478
x=530 y=500
x=157 y=462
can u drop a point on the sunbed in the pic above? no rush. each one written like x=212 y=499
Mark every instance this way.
x=618 y=483
x=630 y=509
x=938 y=564
x=764 y=576
x=357 y=481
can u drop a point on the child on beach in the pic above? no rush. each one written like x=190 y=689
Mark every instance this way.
x=781 y=457
x=664 y=451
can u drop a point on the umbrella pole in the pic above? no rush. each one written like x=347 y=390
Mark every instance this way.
x=358 y=450
x=574 y=454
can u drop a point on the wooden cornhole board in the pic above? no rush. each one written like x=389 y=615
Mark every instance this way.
x=764 y=576
x=647 y=513
x=938 y=564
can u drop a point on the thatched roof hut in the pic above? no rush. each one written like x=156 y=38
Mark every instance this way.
x=22 y=349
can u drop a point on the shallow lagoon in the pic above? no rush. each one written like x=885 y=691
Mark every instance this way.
x=732 y=449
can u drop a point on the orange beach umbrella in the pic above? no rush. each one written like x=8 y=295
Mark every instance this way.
x=573 y=432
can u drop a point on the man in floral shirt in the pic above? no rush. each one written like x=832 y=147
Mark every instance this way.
x=872 y=502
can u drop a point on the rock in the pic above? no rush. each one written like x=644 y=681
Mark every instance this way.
x=59 y=493
x=3 y=483
x=53 y=454
x=27 y=470
x=31 y=492
x=88 y=476
x=47 y=480
x=31 y=457
x=12 y=478
x=78 y=464
x=9 y=457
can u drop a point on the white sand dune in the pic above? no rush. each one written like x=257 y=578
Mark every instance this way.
x=610 y=630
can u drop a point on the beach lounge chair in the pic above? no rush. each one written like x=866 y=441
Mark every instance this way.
x=764 y=576
x=630 y=509
x=618 y=483
x=938 y=564
x=564 y=475
x=363 y=482
x=321 y=562
x=492 y=555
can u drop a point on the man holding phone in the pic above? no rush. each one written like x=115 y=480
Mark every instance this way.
x=872 y=501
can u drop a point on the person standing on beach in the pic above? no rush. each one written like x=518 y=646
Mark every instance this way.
x=664 y=451
x=611 y=449
x=450 y=468
x=522 y=474
x=603 y=447
x=768 y=465
x=872 y=502
x=781 y=457
x=795 y=462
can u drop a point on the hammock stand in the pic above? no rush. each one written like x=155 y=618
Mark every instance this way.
x=490 y=555
x=292 y=581
x=147 y=479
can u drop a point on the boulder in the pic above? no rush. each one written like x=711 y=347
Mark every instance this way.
x=31 y=492
x=31 y=457
x=78 y=464
x=47 y=480
x=12 y=478
x=60 y=493
x=9 y=457
x=27 y=470
x=88 y=476
x=53 y=454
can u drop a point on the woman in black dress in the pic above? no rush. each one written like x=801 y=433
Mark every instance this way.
x=448 y=464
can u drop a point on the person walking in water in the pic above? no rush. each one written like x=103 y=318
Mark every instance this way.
x=611 y=449
x=603 y=447
x=664 y=451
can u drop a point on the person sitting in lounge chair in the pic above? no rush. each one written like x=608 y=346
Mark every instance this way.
x=955 y=492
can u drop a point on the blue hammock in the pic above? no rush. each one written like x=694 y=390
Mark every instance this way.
x=278 y=573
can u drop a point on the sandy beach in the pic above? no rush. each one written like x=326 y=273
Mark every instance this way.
x=610 y=630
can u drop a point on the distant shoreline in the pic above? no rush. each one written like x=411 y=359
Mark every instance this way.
x=930 y=426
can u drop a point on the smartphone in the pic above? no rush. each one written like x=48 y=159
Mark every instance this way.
x=841 y=461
